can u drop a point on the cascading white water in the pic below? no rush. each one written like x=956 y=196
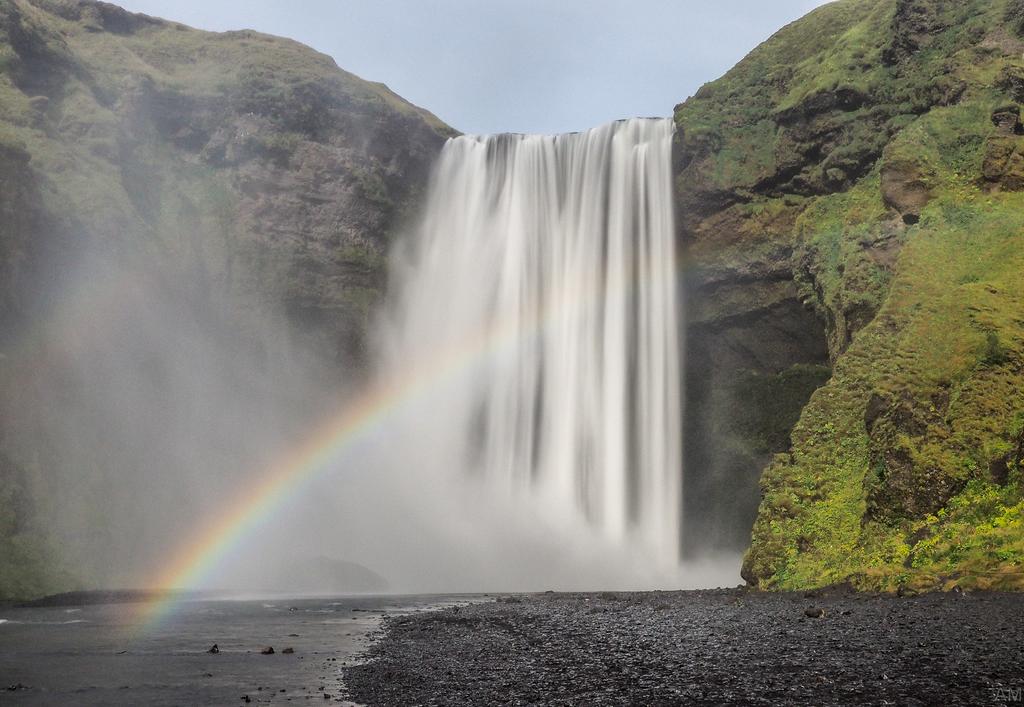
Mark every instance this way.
x=543 y=270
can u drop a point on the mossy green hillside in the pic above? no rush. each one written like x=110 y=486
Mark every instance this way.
x=811 y=109
x=921 y=417
x=880 y=129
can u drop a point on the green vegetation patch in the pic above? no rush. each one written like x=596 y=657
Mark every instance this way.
x=906 y=466
x=859 y=148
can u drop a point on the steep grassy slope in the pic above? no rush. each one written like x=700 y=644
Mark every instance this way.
x=236 y=147
x=866 y=160
x=245 y=169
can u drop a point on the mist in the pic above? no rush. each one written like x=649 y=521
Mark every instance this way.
x=194 y=320
x=150 y=395
x=143 y=400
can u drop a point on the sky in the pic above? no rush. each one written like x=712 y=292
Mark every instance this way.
x=529 y=66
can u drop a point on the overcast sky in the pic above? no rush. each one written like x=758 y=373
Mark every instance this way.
x=533 y=66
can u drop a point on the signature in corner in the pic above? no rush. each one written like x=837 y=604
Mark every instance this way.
x=1006 y=694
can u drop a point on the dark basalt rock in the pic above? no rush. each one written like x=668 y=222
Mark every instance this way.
x=876 y=407
x=1015 y=16
x=843 y=99
x=914 y=25
x=1011 y=80
x=1007 y=120
x=1003 y=164
x=905 y=189
x=755 y=352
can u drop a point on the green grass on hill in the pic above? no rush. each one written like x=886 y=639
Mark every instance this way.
x=905 y=469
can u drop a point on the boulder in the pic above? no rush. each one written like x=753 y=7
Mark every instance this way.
x=1007 y=120
x=1003 y=164
x=905 y=188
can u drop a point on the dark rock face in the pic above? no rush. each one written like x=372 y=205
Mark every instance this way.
x=1006 y=119
x=914 y=25
x=1015 y=16
x=1003 y=165
x=899 y=488
x=754 y=355
x=1011 y=80
x=904 y=189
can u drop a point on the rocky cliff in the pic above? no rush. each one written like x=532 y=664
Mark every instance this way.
x=248 y=150
x=250 y=167
x=851 y=201
x=851 y=215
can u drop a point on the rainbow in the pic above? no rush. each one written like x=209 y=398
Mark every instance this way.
x=319 y=452
x=322 y=450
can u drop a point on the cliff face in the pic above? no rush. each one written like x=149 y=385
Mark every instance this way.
x=851 y=199
x=251 y=157
x=247 y=166
x=851 y=210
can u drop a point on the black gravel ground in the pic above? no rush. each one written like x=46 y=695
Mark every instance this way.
x=702 y=648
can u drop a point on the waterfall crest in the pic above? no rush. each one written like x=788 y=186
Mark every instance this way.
x=552 y=260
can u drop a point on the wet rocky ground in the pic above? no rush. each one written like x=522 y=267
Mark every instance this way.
x=702 y=648
x=91 y=649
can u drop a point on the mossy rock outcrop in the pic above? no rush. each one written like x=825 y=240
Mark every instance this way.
x=865 y=162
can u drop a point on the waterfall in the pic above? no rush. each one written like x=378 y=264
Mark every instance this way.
x=546 y=265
